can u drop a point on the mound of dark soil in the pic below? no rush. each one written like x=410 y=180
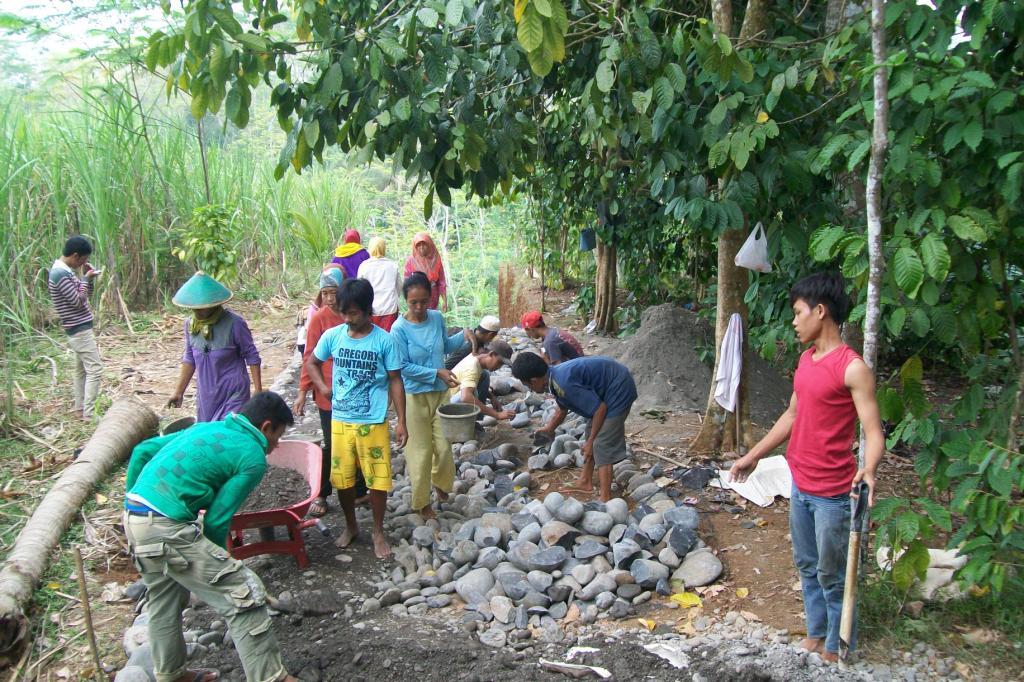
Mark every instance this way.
x=664 y=357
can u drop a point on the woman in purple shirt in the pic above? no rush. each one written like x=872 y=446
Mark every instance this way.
x=219 y=347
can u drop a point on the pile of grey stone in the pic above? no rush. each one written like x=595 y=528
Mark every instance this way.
x=522 y=565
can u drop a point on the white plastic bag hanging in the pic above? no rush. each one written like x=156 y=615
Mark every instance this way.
x=753 y=255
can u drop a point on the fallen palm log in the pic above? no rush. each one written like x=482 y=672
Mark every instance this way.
x=125 y=424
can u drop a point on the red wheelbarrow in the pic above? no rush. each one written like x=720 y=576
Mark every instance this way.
x=304 y=458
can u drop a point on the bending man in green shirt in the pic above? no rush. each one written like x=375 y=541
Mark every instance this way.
x=212 y=466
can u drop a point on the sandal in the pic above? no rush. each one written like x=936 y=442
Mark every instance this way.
x=318 y=507
x=204 y=675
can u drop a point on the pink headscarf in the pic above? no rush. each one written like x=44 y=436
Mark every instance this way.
x=352 y=237
x=431 y=265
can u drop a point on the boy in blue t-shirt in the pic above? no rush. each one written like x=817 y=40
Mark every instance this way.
x=367 y=371
x=598 y=388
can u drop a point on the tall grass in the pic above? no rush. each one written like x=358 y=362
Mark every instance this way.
x=94 y=168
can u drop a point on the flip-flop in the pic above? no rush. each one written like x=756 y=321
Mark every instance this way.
x=318 y=507
x=201 y=674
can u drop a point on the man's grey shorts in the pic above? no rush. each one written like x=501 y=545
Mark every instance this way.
x=610 y=443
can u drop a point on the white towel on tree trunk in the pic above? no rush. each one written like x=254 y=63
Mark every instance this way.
x=730 y=364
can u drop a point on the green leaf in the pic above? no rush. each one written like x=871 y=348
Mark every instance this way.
x=559 y=16
x=663 y=93
x=911 y=566
x=895 y=321
x=403 y=109
x=650 y=52
x=676 y=76
x=642 y=100
x=543 y=7
x=541 y=60
x=718 y=112
x=744 y=69
x=604 y=77
x=823 y=241
x=978 y=79
x=453 y=12
x=908 y=271
x=792 y=75
x=966 y=228
x=920 y=92
x=954 y=134
x=940 y=516
x=858 y=155
x=972 y=134
x=890 y=405
x=718 y=153
x=724 y=44
x=935 y=256
x=311 y=131
x=1006 y=159
x=919 y=323
x=427 y=16
x=253 y=41
x=531 y=30
x=331 y=83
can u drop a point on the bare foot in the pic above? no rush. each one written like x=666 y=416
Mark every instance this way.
x=347 y=537
x=428 y=513
x=380 y=545
x=441 y=495
x=583 y=485
x=830 y=656
x=811 y=643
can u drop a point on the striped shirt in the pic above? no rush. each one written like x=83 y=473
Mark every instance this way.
x=70 y=297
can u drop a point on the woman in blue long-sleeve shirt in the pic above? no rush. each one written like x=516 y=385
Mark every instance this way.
x=423 y=342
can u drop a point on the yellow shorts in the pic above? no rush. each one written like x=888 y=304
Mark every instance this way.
x=367 y=446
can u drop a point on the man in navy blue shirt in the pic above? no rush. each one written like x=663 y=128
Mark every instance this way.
x=597 y=388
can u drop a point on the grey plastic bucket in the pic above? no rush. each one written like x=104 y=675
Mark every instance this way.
x=458 y=421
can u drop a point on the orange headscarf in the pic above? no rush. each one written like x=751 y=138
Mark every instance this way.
x=431 y=265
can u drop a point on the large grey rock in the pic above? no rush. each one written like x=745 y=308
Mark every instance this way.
x=597 y=522
x=682 y=540
x=530 y=533
x=637 y=481
x=601 y=583
x=550 y=559
x=465 y=552
x=645 y=491
x=502 y=607
x=558 y=533
x=647 y=573
x=535 y=599
x=134 y=637
x=508 y=451
x=669 y=558
x=685 y=517
x=493 y=637
x=519 y=554
x=439 y=601
x=698 y=569
x=624 y=553
x=570 y=511
x=655 y=532
x=522 y=520
x=588 y=549
x=537 y=462
x=474 y=585
x=490 y=557
x=539 y=580
x=583 y=573
x=605 y=600
x=503 y=522
x=521 y=480
x=520 y=420
x=487 y=536
x=423 y=536
x=563 y=460
x=553 y=500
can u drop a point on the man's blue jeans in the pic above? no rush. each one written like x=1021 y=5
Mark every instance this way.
x=820 y=527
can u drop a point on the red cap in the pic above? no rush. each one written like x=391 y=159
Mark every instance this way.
x=532 y=320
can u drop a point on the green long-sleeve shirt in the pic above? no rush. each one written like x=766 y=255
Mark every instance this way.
x=212 y=466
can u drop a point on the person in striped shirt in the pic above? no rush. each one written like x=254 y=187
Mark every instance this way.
x=70 y=296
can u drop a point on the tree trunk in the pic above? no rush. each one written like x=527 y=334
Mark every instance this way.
x=125 y=424
x=604 y=287
x=718 y=430
x=876 y=167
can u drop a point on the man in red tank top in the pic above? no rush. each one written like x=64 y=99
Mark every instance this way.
x=832 y=389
